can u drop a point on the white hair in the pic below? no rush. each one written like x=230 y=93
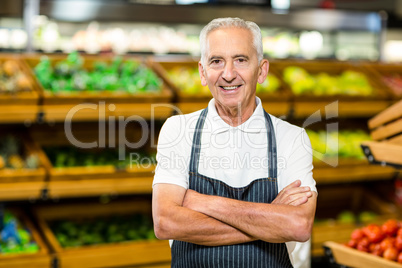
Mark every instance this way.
x=229 y=23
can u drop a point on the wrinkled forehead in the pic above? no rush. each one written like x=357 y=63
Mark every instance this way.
x=229 y=40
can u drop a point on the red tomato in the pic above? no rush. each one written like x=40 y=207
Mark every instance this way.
x=377 y=253
x=398 y=243
x=352 y=243
x=375 y=247
x=390 y=227
x=361 y=247
x=390 y=254
x=363 y=244
x=399 y=257
x=399 y=233
x=388 y=242
x=357 y=234
x=374 y=233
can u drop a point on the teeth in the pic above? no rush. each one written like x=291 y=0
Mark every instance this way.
x=229 y=88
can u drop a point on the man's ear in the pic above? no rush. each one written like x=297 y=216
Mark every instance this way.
x=202 y=76
x=263 y=71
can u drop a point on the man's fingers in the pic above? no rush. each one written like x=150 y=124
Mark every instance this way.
x=294 y=199
x=294 y=184
x=297 y=190
x=300 y=199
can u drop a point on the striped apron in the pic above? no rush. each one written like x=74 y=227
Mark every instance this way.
x=252 y=254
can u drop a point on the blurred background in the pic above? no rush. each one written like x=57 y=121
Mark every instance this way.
x=85 y=86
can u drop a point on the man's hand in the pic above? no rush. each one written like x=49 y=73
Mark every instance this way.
x=293 y=195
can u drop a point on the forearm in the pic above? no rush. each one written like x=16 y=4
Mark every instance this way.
x=173 y=221
x=269 y=222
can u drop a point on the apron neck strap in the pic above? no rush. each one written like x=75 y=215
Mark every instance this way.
x=272 y=155
x=196 y=147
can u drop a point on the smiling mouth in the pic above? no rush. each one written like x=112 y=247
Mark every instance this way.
x=230 y=88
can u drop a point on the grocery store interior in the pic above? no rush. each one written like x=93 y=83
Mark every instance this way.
x=86 y=85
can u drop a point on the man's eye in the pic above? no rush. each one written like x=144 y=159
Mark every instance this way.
x=241 y=60
x=215 y=61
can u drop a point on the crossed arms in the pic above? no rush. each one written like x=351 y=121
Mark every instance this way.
x=189 y=216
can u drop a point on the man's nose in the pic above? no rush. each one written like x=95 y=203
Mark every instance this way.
x=229 y=73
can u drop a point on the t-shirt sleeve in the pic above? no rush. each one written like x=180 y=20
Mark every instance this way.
x=172 y=156
x=299 y=164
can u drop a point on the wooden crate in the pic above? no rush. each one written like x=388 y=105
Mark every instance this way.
x=41 y=259
x=49 y=98
x=351 y=257
x=163 y=66
x=380 y=70
x=386 y=132
x=29 y=97
x=86 y=133
x=141 y=253
x=336 y=199
x=331 y=68
x=8 y=175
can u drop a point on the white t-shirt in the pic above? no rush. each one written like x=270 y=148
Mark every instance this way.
x=234 y=155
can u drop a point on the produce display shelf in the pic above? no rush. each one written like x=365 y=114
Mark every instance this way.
x=350 y=257
x=94 y=112
x=386 y=131
x=96 y=187
x=143 y=253
x=346 y=173
x=384 y=71
x=49 y=98
x=26 y=114
x=14 y=191
x=41 y=259
x=339 y=107
x=27 y=148
x=28 y=96
x=329 y=68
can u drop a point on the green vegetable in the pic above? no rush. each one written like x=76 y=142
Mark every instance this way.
x=69 y=76
x=92 y=231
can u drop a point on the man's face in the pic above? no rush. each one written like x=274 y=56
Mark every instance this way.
x=231 y=68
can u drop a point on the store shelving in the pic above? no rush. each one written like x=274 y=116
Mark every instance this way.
x=80 y=182
x=141 y=253
x=386 y=129
x=39 y=259
x=44 y=113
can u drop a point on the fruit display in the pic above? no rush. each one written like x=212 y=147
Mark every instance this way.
x=345 y=143
x=70 y=156
x=349 y=82
x=394 y=82
x=94 y=231
x=270 y=85
x=14 y=238
x=188 y=80
x=13 y=155
x=349 y=217
x=12 y=78
x=69 y=75
x=383 y=240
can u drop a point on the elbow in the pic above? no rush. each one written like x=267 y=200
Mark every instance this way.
x=161 y=229
x=303 y=230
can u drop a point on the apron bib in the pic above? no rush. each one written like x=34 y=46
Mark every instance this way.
x=257 y=254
